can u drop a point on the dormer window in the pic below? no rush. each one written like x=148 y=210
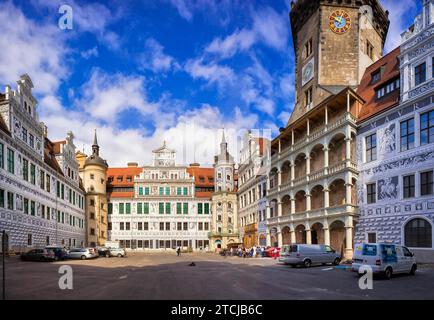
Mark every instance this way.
x=201 y=179
x=129 y=179
x=120 y=178
x=376 y=76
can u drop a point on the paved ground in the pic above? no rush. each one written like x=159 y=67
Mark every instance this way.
x=165 y=276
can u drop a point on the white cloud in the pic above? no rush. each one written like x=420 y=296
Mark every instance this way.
x=93 y=52
x=32 y=48
x=269 y=28
x=211 y=72
x=398 y=15
x=155 y=59
x=105 y=96
x=183 y=10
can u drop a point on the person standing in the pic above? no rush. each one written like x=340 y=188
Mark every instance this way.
x=178 y=251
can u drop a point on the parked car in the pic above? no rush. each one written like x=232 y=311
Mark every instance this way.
x=271 y=252
x=82 y=253
x=104 y=252
x=60 y=253
x=309 y=254
x=38 y=255
x=384 y=258
x=117 y=252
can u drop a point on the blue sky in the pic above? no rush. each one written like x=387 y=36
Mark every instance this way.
x=146 y=71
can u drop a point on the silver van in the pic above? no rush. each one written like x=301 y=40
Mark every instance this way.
x=308 y=254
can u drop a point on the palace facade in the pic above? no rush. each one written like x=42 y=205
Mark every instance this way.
x=396 y=143
x=41 y=196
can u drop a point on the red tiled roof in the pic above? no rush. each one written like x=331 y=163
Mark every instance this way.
x=124 y=173
x=389 y=64
x=205 y=173
x=56 y=146
x=49 y=156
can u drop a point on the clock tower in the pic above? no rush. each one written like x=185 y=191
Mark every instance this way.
x=334 y=42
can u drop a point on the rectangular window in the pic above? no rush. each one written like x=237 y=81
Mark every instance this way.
x=146 y=208
x=420 y=74
x=426 y=183
x=145 y=226
x=179 y=208
x=10 y=201
x=24 y=133
x=427 y=127
x=308 y=48
x=372 y=237
x=161 y=208
x=42 y=180
x=168 y=208
x=185 y=226
x=110 y=208
x=139 y=226
x=407 y=134
x=161 y=226
x=206 y=227
x=127 y=226
x=11 y=161
x=62 y=191
x=179 y=226
x=32 y=174
x=179 y=191
x=140 y=191
x=2 y=198
x=376 y=76
x=139 y=208
x=2 y=156
x=25 y=169
x=185 y=209
x=206 y=206
x=199 y=208
x=146 y=191
x=308 y=95
x=167 y=191
x=409 y=186
x=121 y=208
x=26 y=206
x=31 y=140
x=161 y=191
x=29 y=239
x=128 y=208
x=32 y=208
x=371 y=193
x=121 y=226
x=167 y=226
x=371 y=147
x=369 y=50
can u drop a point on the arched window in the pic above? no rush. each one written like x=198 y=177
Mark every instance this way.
x=418 y=233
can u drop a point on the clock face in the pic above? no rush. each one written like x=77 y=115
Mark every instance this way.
x=339 y=21
x=307 y=72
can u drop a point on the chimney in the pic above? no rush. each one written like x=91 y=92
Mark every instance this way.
x=132 y=164
x=7 y=91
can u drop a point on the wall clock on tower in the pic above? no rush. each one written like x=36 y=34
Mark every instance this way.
x=340 y=21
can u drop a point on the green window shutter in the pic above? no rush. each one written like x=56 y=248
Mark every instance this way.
x=179 y=208
x=167 y=191
x=146 y=208
x=128 y=208
x=140 y=191
x=161 y=208
x=110 y=208
x=161 y=191
x=185 y=191
x=146 y=191
x=199 y=208
x=168 y=208
x=139 y=208
x=206 y=208
x=185 y=208
x=179 y=191
x=121 y=208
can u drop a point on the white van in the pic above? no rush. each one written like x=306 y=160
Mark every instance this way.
x=384 y=258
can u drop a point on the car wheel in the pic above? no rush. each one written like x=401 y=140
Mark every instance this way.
x=83 y=257
x=307 y=263
x=413 y=270
x=388 y=273
x=119 y=255
x=337 y=261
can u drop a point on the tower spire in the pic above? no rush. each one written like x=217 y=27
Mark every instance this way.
x=95 y=147
x=223 y=136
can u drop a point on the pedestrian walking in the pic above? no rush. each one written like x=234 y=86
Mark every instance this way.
x=178 y=251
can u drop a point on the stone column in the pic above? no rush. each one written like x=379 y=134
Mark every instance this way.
x=348 y=193
x=308 y=202
x=348 y=237
x=326 y=236
x=279 y=239
x=326 y=157
x=268 y=240
x=326 y=197
x=279 y=178
x=279 y=209
x=292 y=205
x=268 y=212
x=308 y=236
x=307 y=165
x=348 y=148
x=293 y=238
x=292 y=171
